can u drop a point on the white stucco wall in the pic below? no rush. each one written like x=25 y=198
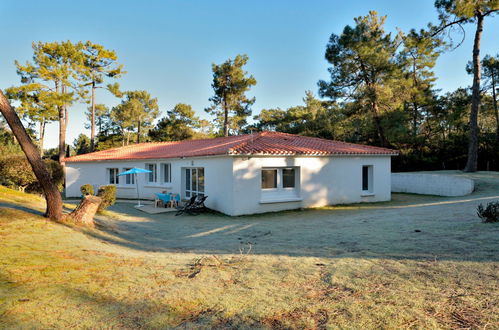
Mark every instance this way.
x=322 y=181
x=233 y=184
x=432 y=184
x=218 y=179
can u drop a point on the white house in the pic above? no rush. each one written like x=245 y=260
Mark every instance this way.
x=243 y=174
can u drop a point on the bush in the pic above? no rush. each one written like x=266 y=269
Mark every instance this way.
x=56 y=172
x=87 y=189
x=16 y=172
x=490 y=213
x=108 y=195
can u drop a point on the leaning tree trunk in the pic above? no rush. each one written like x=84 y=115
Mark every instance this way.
x=52 y=195
x=84 y=213
x=472 y=162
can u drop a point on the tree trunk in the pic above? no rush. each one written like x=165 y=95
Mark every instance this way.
x=52 y=195
x=415 y=122
x=92 y=124
x=496 y=111
x=84 y=213
x=62 y=130
x=226 y=118
x=472 y=162
x=138 y=132
x=379 y=127
x=41 y=136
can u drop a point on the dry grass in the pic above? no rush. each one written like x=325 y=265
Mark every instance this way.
x=58 y=276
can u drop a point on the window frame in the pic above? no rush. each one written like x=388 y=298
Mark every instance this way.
x=166 y=172
x=188 y=185
x=154 y=173
x=367 y=173
x=128 y=177
x=112 y=173
x=280 y=178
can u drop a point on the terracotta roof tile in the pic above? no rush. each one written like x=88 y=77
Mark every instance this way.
x=263 y=143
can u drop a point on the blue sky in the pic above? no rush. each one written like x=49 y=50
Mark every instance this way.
x=168 y=47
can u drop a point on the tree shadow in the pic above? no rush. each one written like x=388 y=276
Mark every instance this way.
x=417 y=228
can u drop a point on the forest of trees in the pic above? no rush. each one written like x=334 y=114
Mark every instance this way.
x=381 y=91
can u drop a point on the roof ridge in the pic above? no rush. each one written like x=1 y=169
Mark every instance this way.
x=246 y=141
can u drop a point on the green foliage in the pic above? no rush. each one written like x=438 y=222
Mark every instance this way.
x=108 y=195
x=366 y=69
x=87 y=189
x=490 y=213
x=56 y=172
x=15 y=171
x=230 y=105
x=135 y=114
x=180 y=124
x=314 y=118
x=82 y=144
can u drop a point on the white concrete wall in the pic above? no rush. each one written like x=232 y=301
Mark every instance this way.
x=432 y=184
x=233 y=184
x=323 y=181
x=218 y=179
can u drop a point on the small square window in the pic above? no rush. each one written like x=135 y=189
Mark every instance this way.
x=269 y=179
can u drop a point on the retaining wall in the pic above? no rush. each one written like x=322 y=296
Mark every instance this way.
x=432 y=184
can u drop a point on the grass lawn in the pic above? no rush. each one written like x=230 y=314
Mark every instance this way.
x=415 y=262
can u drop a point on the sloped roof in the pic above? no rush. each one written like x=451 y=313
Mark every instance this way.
x=262 y=143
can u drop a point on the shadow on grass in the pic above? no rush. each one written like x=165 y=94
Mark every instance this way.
x=417 y=228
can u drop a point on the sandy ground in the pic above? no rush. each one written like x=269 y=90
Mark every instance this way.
x=409 y=226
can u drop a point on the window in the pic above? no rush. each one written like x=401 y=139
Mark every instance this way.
x=113 y=175
x=129 y=178
x=269 y=179
x=367 y=178
x=288 y=177
x=280 y=184
x=278 y=178
x=194 y=181
x=153 y=176
x=166 y=172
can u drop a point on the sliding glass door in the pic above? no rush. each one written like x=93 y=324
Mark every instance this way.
x=194 y=181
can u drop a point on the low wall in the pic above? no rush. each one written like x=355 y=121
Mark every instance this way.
x=432 y=184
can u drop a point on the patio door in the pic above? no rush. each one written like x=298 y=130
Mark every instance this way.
x=194 y=181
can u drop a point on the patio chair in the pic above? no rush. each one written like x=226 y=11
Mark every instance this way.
x=187 y=205
x=175 y=200
x=196 y=207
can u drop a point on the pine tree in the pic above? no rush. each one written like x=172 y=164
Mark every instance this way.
x=98 y=63
x=365 y=69
x=230 y=105
x=454 y=13
x=55 y=68
x=180 y=123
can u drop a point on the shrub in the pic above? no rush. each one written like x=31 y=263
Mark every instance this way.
x=87 y=189
x=490 y=213
x=108 y=195
x=16 y=172
x=56 y=172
